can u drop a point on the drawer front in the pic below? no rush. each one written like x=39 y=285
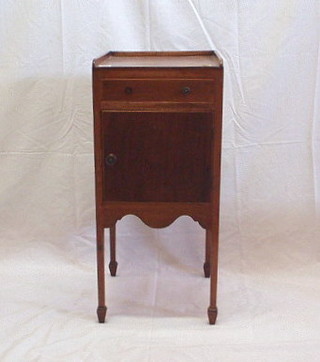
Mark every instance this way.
x=158 y=90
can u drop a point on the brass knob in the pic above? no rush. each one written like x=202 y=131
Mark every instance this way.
x=111 y=159
x=128 y=90
x=186 y=90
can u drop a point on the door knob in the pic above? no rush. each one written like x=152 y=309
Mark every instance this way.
x=128 y=90
x=186 y=90
x=111 y=159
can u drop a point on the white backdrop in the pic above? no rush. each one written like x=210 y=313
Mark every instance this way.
x=269 y=294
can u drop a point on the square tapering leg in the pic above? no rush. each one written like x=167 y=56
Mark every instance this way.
x=212 y=310
x=102 y=309
x=113 y=262
x=206 y=265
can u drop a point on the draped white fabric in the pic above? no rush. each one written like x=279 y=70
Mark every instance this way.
x=269 y=291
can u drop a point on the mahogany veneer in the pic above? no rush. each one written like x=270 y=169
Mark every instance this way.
x=157 y=135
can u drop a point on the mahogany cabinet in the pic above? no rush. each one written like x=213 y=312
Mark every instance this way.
x=157 y=136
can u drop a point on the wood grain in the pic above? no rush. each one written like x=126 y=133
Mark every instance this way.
x=160 y=157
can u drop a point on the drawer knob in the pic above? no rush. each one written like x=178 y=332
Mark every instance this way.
x=186 y=90
x=128 y=90
x=111 y=159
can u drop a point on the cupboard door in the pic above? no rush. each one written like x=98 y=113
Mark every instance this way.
x=157 y=157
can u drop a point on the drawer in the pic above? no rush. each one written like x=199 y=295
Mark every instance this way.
x=158 y=90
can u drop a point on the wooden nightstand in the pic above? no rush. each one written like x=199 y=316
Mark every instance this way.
x=157 y=135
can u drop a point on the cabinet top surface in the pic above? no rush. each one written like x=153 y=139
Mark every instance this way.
x=187 y=59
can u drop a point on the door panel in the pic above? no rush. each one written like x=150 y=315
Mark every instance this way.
x=157 y=156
